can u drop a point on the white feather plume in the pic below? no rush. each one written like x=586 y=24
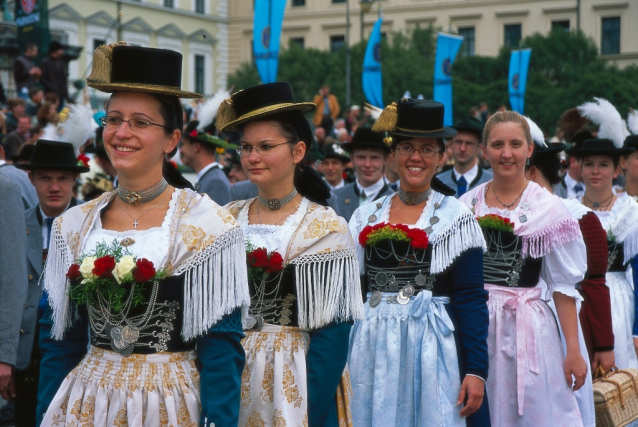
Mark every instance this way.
x=208 y=110
x=374 y=112
x=78 y=126
x=50 y=132
x=610 y=123
x=632 y=121
x=537 y=134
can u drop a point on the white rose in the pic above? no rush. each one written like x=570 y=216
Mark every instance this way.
x=86 y=268
x=123 y=267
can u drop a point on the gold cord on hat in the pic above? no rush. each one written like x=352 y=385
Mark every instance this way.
x=387 y=121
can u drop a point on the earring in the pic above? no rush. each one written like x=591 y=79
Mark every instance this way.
x=528 y=162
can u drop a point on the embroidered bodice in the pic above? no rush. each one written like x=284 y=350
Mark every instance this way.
x=504 y=264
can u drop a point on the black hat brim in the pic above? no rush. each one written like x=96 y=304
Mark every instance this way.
x=349 y=146
x=32 y=167
x=601 y=152
x=551 y=150
x=446 y=132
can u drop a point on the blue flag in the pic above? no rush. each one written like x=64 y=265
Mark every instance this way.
x=447 y=46
x=371 y=76
x=519 y=62
x=269 y=14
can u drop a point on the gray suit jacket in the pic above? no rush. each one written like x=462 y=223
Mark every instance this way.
x=560 y=189
x=13 y=268
x=243 y=190
x=348 y=199
x=448 y=178
x=20 y=177
x=215 y=183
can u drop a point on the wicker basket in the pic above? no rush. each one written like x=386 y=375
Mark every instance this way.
x=616 y=397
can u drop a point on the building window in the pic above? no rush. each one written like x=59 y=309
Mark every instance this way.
x=298 y=41
x=467 y=48
x=199 y=6
x=338 y=1
x=298 y=3
x=512 y=35
x=169 y=3
x=560 y=25
x=199 y=74
x=610 y=40
x=337 y=43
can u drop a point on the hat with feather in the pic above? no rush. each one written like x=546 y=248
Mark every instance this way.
x=632 y=123
x=612 y=131
x=542 y=148
x=414 y=118
x=141 y=69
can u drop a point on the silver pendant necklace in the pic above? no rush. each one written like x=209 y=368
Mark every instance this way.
x=274 y=204
x=139 y=197
x=412 y=199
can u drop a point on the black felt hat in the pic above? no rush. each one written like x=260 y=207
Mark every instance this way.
x=364 y=137
x=580 y=137
x=415 y=118
x=469 y=123
x=599 y=147
x=23 y=154
x=193 y=134
x=54 y=155
x=335 y=151
x=257 y=102
x=142 y=69
x=545 y=152
x=631 y=142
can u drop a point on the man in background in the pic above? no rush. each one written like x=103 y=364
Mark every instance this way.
x=54 y=76
x=25 y=73
x=327 y=109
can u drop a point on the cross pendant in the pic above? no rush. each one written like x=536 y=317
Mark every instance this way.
x=135 y=223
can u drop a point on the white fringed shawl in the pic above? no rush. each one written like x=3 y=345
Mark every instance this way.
x=326 y=274
x=622 y=222
x=206 y=245
x=455 y=232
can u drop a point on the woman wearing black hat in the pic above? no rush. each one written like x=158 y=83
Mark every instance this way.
x=531 y=237
x=420 y=252
x=596 y=337
x=157 y=271
x=303 y=273
x=618 y=214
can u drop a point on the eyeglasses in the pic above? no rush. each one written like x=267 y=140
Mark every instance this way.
x=264 y=149
x=111 y=123
x=408 y=150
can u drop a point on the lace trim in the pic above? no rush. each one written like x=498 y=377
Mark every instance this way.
x=215 y=283
x=55 y=281
x=328 y=288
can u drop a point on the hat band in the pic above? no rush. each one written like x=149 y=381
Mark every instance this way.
x=419 y=130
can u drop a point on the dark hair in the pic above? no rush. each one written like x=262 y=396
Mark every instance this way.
x=294 y=128
x=34 y=90
x=549 y=166
x=615 y=159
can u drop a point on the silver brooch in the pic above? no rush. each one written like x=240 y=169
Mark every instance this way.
x=375 y=299
x=372 y=218
x=523 y=218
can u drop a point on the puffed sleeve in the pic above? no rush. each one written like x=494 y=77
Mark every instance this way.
x=564 y=267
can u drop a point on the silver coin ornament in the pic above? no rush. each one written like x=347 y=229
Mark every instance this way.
x=525 y=206
x=118 y=343
x=523 y=218
x=428 y=230
x=375 y=299
x=250 y=322
x=381 y=279
x=408 y=291
x=474 y=201
x=259 y=324
x=434 y=220
x=402 y=299
x=420 y=279
x=378 y=205
x=372 y=218
x=437 y=205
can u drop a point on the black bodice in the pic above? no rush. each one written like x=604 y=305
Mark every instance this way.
x=503 y=264
x=391 y=265
x=615 y=260
x=274 y=298
x=151 y=327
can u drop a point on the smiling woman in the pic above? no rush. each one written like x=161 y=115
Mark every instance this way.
x=423 y=279
x=190 y=310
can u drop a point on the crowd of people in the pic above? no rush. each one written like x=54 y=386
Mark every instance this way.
x=371 y=268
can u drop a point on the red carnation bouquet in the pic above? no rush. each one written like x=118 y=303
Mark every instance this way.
x=112 y=274
x=496 y=222
x=83 y=160
x=373 y=234
x=261 y=263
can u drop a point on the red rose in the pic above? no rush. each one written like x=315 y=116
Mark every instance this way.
x=74 y=272
x=275 y=263
x=144 y=270
x=258 y=258
x=103 y=267
x=363 y=236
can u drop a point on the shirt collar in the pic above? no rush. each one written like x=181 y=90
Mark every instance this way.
x=470 y=175
x=371 y=190
x=206 y=168
x=570 y=182
x=336 y=187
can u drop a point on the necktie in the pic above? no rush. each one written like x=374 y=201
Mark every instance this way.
x=578 y=188
x=462 y=185
x=49 y=228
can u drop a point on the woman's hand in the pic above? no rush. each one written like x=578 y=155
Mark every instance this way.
x=473 y=389
x=575 y=365
x=606 y=359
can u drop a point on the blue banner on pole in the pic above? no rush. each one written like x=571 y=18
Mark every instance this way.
x=269 y=15
x=447 y=46
x=371 y=76
x=519 y=63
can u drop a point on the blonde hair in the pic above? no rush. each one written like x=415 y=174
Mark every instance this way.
x=505 y=117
